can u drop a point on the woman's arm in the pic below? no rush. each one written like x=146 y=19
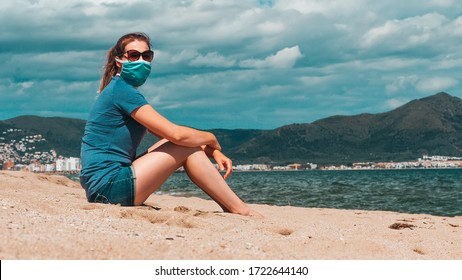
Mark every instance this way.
x=180 y=135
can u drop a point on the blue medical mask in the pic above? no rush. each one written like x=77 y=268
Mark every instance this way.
x=135 y=72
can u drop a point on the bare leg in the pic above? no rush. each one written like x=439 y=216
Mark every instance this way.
x=154 y=168
x=204 y=174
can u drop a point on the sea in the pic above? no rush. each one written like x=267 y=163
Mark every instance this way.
x=424 y=191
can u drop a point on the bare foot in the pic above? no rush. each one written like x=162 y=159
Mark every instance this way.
x=244 y=210
x=247 y=211
x=255 y=214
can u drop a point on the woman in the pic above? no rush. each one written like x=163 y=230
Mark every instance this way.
x=116 y=125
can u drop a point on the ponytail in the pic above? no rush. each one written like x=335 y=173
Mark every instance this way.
x=111 y=69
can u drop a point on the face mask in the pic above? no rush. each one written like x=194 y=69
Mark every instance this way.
x=135 y=72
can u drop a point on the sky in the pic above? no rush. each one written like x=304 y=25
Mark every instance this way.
x=234 y=64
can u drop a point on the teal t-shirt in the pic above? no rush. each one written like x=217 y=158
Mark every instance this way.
x=111 y=135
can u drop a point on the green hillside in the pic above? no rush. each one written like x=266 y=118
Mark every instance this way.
x=431 y=125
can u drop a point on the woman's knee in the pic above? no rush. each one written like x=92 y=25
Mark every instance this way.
x=189 y=150
x=172 y=148
x=157 y=145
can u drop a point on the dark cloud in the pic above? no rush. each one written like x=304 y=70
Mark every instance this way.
x=252 y=64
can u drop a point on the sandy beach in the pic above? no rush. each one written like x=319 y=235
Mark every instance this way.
x=47 y=217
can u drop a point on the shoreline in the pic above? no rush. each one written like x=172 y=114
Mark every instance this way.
x=192 y=191
x=47 y=217
x=67 y=173
x=349 y=169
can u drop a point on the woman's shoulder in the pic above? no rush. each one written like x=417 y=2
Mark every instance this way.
x=119 y=86
x=123 y=95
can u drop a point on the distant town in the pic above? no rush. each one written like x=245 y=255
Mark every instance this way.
x=426 y=162
x=23 y=155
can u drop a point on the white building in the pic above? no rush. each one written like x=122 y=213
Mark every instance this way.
x=68 y=164
x=60 y=165
x=72 y=164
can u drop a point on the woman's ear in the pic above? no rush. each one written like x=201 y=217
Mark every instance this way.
x=118 y=64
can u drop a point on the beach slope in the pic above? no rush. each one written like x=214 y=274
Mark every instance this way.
x=47 y=217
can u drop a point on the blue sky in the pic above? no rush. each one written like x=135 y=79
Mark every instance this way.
x=234 y=64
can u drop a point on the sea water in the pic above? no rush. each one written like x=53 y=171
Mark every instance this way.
x=429 y=191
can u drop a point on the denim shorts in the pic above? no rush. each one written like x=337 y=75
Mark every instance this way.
x=119 y=190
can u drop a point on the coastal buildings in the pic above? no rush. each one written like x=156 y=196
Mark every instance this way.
x=25 y=153
x=61 y=165
x=426 y=162
x=68 y=164
x=252 y=167
x=268 y=167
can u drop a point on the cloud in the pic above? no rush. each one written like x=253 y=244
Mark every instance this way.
x=285 y=58
x=435 y=84
x=394 y=103
x=402 y=34
x=184 y=55
x=315 y=80
x=426 y=85
x=265 y=63
x=330 y=8
x=442 y=3
x=212 y=59
x=402 y=84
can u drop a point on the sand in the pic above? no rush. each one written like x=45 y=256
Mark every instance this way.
x=47 y=217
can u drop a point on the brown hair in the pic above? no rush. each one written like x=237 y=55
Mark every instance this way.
x=110 y=69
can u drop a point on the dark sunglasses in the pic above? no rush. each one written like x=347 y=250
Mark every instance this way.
x=134 y=55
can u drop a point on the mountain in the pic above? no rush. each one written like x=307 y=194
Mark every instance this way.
x=431 y=125
x=63 y=135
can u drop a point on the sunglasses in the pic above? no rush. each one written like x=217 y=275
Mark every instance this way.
x=134 y=55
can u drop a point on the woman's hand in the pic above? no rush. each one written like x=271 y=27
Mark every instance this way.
x=224 y=163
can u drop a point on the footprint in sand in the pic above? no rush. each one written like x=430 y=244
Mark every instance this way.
x=182 y=209
x=285 y=232
x=399 y=226
x=159 y=218
x=186 y=210
x=419 y=251
x=91 y=207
